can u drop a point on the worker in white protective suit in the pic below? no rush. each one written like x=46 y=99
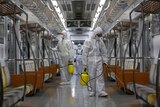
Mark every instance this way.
x=70 y=50
x=78 y=58
x=94 y=55
x=69 y=46
x=63 y=48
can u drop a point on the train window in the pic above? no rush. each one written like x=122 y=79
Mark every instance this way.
x=11 y=41
x=155 y=28
x=1 y=33
x=43 y=48
x=34 y=43
x=2 y=46
x=25 y=46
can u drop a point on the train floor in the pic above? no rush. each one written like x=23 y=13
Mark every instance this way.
x=74 y=95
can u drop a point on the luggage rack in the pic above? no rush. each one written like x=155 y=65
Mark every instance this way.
x=7 y=8
x=123 y=25
x=35 y=27
x=150 y=6
x=146 y=7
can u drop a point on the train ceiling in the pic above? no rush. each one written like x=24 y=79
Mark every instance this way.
x=83 y=12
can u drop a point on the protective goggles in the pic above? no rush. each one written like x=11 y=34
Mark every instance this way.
x=99 y=35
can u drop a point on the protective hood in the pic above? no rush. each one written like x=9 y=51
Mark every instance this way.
x=97 y=30
x=65 y=34
x=59 y=37
x=79 y=45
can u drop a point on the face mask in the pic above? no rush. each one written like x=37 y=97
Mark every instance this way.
x=99 y=35
x=62 y=37
x=96 y=37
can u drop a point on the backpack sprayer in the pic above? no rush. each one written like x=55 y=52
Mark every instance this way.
x=84 y=78
x=70 y=67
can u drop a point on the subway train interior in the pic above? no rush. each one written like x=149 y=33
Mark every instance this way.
x=49 y=56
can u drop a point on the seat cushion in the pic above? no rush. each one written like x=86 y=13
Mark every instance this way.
x=12 y=96
x=46 y=76
x=142 y=90
x=29 y=88
x=151 y=99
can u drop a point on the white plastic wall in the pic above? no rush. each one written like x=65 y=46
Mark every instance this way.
x=156 y=47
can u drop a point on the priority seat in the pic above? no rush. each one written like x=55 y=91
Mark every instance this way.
x=147 y=91
x=12 y=93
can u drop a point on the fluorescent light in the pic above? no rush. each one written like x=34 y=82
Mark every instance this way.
x=63 y=20
x=58 y=10
x=59 y=13
x=102 y=2
x=95 y=19
x=99 y=9
x=54 y=3
x=93 y=25
x=97 y=15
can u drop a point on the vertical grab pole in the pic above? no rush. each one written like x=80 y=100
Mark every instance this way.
x=25 y=77
x=115 y=46
x=119 y=50
x=1 y=87
x=120 y=46
x=34 y=58
x=48 y=56
x=110 y=58
x=131 y=33
x=52 y=58
x=157 y=82
x=123 y=61
x=136 y=50
x=41 y=53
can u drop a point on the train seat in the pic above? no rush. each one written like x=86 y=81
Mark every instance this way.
x=146 y=90
x=49 y=70
x=30 y=73
x=12 y=93
x=128 y=74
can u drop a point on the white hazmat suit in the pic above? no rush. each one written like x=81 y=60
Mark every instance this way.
x=69 y=46
x=94 y=55
x=78 y=58
x=63 y=48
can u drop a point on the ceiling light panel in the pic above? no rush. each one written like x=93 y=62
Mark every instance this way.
x=55 y=4
x=99 y=10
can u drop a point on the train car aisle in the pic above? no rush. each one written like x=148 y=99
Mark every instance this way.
x=74 y=95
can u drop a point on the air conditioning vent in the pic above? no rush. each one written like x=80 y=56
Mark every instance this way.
x=79 y=31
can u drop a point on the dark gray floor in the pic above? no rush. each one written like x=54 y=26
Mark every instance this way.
x=74 y=95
